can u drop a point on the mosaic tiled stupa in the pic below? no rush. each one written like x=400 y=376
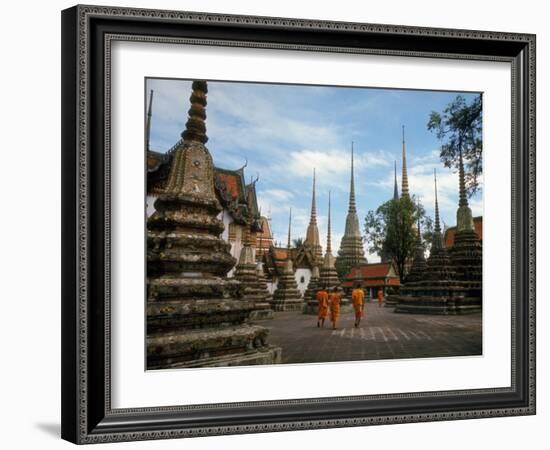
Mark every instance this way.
x=466 y=252
x=312 y=234
x=351 y=252
x=310 y=300
x=194 y=317
x=287 y=297
x=261 y=286
x=438 y=291
x=328 y=277
x=250 y=285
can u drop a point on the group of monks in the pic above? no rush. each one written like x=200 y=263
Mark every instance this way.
x=330 y=302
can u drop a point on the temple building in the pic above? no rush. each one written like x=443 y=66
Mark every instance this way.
x=304 y=257
x=351 y=252
x=195 y=316
x=287 y=297
x=450 y=232
x=372 y=277
x=264 y=238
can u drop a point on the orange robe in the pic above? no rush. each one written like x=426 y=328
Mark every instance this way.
x=322 y=300
x=358 y=300
x=380 y=296
x=334 y=299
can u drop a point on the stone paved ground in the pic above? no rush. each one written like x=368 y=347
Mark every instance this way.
x=383 y=334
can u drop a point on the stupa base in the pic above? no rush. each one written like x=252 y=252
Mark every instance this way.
x=295 y=306
x=438 y=305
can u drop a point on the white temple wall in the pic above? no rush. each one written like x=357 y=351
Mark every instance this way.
x=302 y=276
x=149 y=202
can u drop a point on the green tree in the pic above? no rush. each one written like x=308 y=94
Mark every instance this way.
x=391 y=231
x=459 y=129
x=297 y=242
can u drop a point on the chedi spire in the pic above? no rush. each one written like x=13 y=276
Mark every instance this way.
x=312 y=234
x=351 y=252
x=188 y=262
x=404 y=176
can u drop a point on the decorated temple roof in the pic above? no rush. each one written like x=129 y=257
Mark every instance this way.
x=265 y=229
x=449 y=237
x=232 y=191
x=372 y=274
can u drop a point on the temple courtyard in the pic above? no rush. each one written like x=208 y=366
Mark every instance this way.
x=382 y=334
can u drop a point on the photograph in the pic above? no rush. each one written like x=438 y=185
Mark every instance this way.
x=300 y=224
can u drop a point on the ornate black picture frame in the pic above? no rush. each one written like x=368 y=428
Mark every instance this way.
x=87 y=34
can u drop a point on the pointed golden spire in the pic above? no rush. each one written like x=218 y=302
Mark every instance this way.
x=404 y=176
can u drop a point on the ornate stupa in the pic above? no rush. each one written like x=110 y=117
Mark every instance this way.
x=250 y=285
x=438 y=291
x=466 y=252
x=351 y=252
x=328 y=277
x=287 y=297
x=310 y=301
x=261 y=281
x=194 y=315
x=312 y=234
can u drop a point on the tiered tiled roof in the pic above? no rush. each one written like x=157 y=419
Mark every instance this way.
x=371 y=275
x=450 y=232
x=232 y=191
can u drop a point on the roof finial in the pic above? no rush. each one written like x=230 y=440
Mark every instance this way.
x=404 y=177
x=395 y=190
x=148 y=123
x=195 y=128
x=329 y=238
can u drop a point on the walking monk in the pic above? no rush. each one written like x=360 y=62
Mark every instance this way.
x=380 y=297
x=322 y=308
x=334 y=301
x=358 y=300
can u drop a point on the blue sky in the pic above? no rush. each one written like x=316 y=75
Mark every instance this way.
x=284 y=131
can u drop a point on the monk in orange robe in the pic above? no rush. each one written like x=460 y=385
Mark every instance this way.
x=358 y=300
x=380 y=297
x=322 y=311
x=334 y=301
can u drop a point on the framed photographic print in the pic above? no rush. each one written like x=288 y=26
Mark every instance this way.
x=281 y=224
